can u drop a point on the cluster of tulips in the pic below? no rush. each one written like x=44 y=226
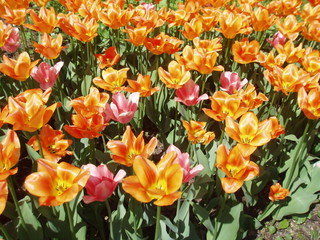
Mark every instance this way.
x=180 y=102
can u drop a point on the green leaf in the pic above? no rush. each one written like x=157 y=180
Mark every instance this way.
x=229 y=222
x=33 y=154
x=283 y=224
x=203 y=216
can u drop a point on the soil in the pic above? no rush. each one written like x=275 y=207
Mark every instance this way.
x=303 y=227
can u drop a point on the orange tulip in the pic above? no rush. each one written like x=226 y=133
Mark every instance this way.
x=249 y=132
x=112 y=80
x=49 y=48
x=159 y=182
x=9 y=155
x=245 y=52
x=197 y=133
x=285 y=7
x=162 y=44
x=261 y=20
x=71 y=5
x=53 y=145
x=199 y=59
x=237 y=167
x=176 y=77
x=19 y=69
x=289 y=79
x=232 y=24
x=90 y=9
x=192 y=29
x=277 y=192
x=269 y=61
x=3 y=195
x=5 y=31
x=41 y=3
x=146 y=17
x=142 y=85
x=293 y=54
x=311 y=31
x=311 y=61
x=84 y=30
x=109 y=58
x=208 y=45
x=137 y=35
x=115 y=17
x=126 y=150
x=90 y=119
x=224 y=104
x=45 y=22
x=310 y=102
x=209 y=18
x=290 y=27
x=14 y=16
x=250 y=98
x=56 y=183
x=27 y=111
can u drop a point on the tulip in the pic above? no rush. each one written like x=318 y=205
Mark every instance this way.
x=45 y=22
x=137 y=35
x=231 y=82
x=109 y=58
x=261 y=20
x=192 y=29
x=245 y=52
x=9 y=154
x=46 y=75
x=3 y=195
x=163 y=44
x=5 y=32
x=237 y=167
x=14 y=16
x=121 y=109
x=28 y=112
x=101 y=183
x=126 y=150
x=293 y=54
x=114 y=16
x=112 y=80
x=56 y=183
x=249 y=132
x=142 y=85
x=277 y=192
x=19 y=69
x=176 y=77
x=50 y=48
x=159 y=182
x=290 y=28
x=54 y=147
x=310 y=102
x=197 y=133
x=184 y=161
x=188 y=94
x=13 y=41
x=278 y=38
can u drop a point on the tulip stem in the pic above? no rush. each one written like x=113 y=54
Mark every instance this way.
x=16 y=204
x=70 y=220
x=157 y=236
x=24 y=38
x=110 y=219
x=39 y=144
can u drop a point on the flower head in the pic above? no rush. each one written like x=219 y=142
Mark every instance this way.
x=231 y=82
x=197 y=133
x=184 y=161
x=142 y=85
x=109 y=58
x=237 y=167
x=50 y=48
x=46 y=75
x=159 y=182
x=188 y=94
x=277 y=192
x=278 y=38
x=12 y=43
x=310 y=102
x=44 y=22
x=53 y=145
x=19 y=69
x=121 y=109
x=101 y=183
x=112 y=79
x=56 y=183
x=126 y=150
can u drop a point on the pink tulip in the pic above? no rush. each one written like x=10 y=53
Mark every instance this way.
x=46 y=75
x=121 y=109
x=231 y=82
x=101 y=183
x=188 y=94
x=278 y=38
x=13 y=42
x=148 y=6
x=184 y=161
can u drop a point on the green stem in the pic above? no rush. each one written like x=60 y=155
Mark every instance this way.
x=70 y=220
x=39 y=144
x=4 y=232
x=24 y=39
x=110 y=219
x=157 y=233
x=92 y=151
x=175 y=123
x=16 y=204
